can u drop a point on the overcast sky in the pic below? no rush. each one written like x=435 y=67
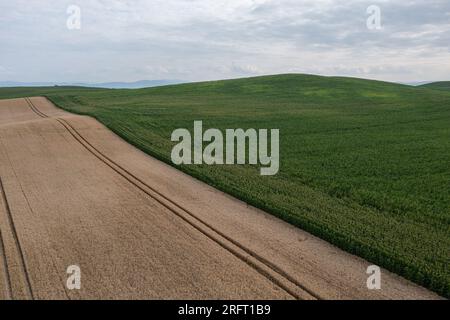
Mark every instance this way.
x=215 y=39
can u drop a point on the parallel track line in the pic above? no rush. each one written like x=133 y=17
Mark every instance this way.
x=17 y=241
x=134 y=180
x=7 y=277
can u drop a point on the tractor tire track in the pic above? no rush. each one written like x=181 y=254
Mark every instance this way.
x=17 y=244
x=7 y=277
x=251 y=258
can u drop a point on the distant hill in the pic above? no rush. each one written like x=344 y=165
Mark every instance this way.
x=132 y=85
x=363 y=163
x=441 y=85
x=415 y=83
x=107 y=85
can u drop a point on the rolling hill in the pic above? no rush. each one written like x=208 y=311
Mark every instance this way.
x=442 y=85
x=364 y=164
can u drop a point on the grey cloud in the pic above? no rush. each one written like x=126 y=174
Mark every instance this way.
x=211 y=39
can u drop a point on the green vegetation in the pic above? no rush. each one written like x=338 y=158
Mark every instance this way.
x=363 y=164
x=19 y=92
x=443 y=85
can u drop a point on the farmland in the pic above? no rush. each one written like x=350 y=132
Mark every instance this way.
x=442 y=85
x=363 y=164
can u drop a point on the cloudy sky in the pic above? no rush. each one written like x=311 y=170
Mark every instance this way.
x=213 y=39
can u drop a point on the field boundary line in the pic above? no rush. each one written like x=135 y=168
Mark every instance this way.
x=251 y=254
x=195 y=226
x=194 y=216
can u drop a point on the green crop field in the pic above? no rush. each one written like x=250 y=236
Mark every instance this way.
x=363 y=164
x=443 y=85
